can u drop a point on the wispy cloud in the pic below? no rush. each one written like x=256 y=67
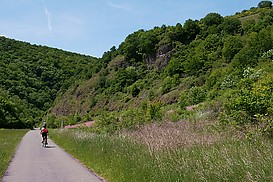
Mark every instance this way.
x=125 y=7
x=48 y=19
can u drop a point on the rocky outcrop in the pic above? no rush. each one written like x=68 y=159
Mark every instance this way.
x=163 y=56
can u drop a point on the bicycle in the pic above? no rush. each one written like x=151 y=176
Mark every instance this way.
x=44 y=142
x=44 y=132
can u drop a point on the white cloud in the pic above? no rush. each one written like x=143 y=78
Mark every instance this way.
x=48 y=19
x=120 y=6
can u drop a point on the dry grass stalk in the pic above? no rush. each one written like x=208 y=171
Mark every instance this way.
x=170 y=135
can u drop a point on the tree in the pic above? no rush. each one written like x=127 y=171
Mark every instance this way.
x=174 y=67
x=247 y=57
x=109 y=55
x=7 y=109
x=261 y=41
x=191 y=29
x=130 y=47
x=147 y=42
x=265 y=19
x=195 y=64
x=265 y=4
x=212 y=19
x=231 y=25
x=249 y=26
x=124 y=78
x=212 y=43
x=176 y=33
x=232 y=46
x=211 y=24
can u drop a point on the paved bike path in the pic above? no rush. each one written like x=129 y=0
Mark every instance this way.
x=34 y=163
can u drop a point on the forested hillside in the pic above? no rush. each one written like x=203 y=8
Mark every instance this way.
x=221 y=65
x=31 y=76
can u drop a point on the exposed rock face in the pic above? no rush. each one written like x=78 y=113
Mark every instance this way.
x=163 y=56
x=160 y=58
x=150 y=59
x=78 y=100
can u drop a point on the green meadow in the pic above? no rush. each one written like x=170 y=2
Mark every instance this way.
x=9 y=139
x=171 y=152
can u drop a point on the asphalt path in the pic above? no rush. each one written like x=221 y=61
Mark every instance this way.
x=34 y=163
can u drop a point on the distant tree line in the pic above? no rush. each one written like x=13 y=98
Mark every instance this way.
x=31 y=76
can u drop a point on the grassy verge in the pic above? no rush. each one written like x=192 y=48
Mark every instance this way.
x=149 y=155
x=9 y=140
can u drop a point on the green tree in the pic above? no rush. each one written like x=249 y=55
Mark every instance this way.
x=194 y=95
x=7 y=110
x=212 y=19
x=232 y=45
x=211 y=24
x=246 y=57
x=265 y=19
x=147 y=42
x=195 y=64
x=124 y=78
x=212 y=43
x=231 y=25
x=174 y=67
x=130 y=47
x=249 y=26
x=191 y=29
x=265 y=4
x=261 y=41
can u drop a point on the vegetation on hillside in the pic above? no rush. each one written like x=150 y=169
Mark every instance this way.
x=221 y=64
x=31 y=77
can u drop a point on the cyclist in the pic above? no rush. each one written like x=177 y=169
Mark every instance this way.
x=44 y=132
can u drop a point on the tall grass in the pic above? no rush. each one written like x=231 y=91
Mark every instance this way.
x=149 y=154
x=9 y=140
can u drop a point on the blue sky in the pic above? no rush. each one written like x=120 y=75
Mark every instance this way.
x=92 y=27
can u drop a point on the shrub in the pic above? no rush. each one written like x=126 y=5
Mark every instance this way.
x=230 y=81
x=51 y=121
x=234 y=117
x=253 y=97
x=194 y=95
x=111 y=121
x=268 y=55
x=153 y=111
x=135 y=88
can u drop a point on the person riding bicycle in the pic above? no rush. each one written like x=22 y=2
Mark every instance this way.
x=44 y=132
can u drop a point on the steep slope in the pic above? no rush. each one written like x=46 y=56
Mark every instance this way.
x=31 y=76
x=203 y=61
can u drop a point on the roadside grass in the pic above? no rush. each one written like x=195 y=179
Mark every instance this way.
x=9 y=139
x=171 y=152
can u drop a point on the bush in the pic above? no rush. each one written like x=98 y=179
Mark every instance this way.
x=234 y=117
x=135 y=88
x=194 y=95
x=268 y=55
x=169 y=83
x=153 y=111
x=253 y=97
x=52 y=121
x=258 y=98
x=266 y=123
